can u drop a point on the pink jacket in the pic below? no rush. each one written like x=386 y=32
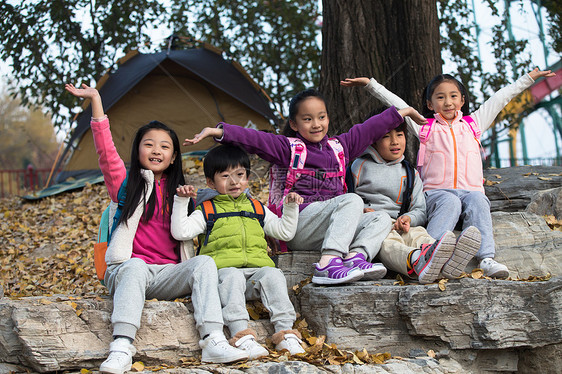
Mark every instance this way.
x=452 y=158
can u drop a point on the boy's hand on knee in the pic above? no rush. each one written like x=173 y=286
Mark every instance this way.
x=186 y=191
x=294 y=197
x=402 y=224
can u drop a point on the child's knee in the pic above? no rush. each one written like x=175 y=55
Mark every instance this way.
x=353 y=201
x=231 y=276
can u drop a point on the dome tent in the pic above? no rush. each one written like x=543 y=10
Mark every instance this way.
x=186 y=89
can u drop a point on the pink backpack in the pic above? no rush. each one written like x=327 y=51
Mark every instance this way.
x=426 y=129
x=281 y=182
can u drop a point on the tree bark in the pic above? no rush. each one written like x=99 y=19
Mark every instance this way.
x=394 y=41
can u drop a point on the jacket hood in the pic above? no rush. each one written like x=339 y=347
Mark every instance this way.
x=372 y=153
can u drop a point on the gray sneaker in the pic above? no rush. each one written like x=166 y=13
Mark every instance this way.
x=432 y=258
x=468 y=243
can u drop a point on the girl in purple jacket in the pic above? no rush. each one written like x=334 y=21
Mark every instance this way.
x=330 y=220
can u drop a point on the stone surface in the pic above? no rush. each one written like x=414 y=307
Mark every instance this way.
x=547 y=203
x=517 y=185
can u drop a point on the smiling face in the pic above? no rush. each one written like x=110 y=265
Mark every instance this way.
x=311 y=120
x=392 y=145
x=156 y=152
x=233 y=181
x=446 y=99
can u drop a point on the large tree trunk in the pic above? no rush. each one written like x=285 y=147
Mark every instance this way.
x=395 y=41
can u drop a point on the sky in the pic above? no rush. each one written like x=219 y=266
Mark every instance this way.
x=539 y=133
x=538 y=126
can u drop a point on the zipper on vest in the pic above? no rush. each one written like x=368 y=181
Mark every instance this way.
x=454 y=156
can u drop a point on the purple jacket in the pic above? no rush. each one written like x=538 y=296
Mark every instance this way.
x=276 y=149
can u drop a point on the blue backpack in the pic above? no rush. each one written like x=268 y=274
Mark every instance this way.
x=105 y=231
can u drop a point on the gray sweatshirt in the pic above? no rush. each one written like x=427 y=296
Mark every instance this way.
x=381 y=184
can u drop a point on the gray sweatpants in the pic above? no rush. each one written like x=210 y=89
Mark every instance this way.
x=268 y=284
x=446 y=207
x=133 y=281
x=339 y=226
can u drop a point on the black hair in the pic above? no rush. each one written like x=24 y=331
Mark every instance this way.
x=436 y=81
x=379 y=109
x=294 y=108
x=136 y=188
x=223 y=157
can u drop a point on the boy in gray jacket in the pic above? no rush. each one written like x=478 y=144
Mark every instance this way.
x=380 y=178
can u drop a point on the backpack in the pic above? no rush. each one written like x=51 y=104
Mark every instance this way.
x=281 y=183
x=406 y=195
x=211 y=216
x=426 y=129
x=105 y=231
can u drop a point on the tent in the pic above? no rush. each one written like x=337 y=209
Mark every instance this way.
x=186 y=89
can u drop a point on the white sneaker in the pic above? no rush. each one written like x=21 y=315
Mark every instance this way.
x=292 y=343
x=249 y=345
x=215 y=349
x=120 y=358
x=493 y=269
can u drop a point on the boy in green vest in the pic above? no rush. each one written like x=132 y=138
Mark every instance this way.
x=231 y=226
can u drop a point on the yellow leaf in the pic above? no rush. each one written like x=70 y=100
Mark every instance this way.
x=357 y=360
x=45 y=302
x=477 y=273
x=544 y=178
x=431 y=353
x=137 y=366
x=85 y=371
x=442 y=285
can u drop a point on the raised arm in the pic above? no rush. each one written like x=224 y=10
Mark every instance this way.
x=385 y=96
x=87 y=92
x=487 y=113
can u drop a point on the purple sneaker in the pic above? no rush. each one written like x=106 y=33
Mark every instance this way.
x=370 y=271
x=468 y=243
x=335 y=273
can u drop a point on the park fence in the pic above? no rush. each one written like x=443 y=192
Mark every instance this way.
x=21 y=182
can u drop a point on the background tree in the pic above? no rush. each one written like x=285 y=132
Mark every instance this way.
x=27 y=136
x=52 y=42
x=398 y=45
x=274 y=40
x=49 y=43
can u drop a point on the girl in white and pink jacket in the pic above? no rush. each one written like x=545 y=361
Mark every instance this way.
x=449 y=160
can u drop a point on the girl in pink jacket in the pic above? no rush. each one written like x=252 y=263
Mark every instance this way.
x=449 y=159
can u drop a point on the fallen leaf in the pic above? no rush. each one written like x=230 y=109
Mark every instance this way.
x=137 y=366
x=442 y=284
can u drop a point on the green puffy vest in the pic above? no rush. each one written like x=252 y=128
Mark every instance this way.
x=236 y=241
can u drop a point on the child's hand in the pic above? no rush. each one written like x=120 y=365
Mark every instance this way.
x=368 y=210
x=85 y=92
x=402 y=224
x=352 y=82
x=215 y=132
x=186 y=191
x=294 y=197
x=536 y=73
x=414 y=115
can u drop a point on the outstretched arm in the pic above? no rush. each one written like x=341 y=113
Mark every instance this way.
x=353 y=82
x=536 y=73
x=413 y=114
x=215 y=132
x=91 y=93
